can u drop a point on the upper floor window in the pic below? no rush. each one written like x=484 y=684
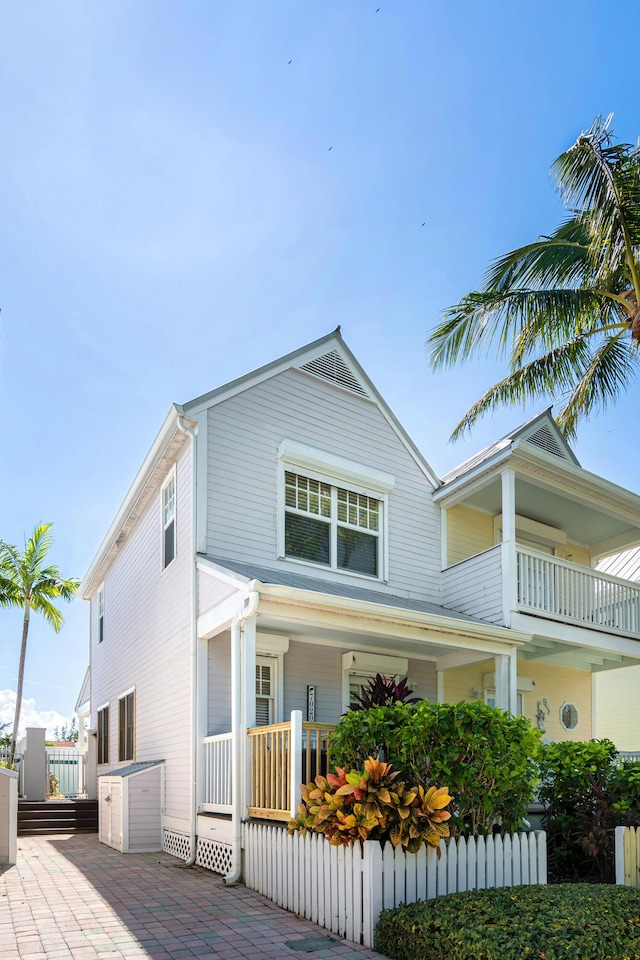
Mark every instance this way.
x=100 y=614
x=126 y=717
x=169 y=521
x=331 y=525
x=102 y=732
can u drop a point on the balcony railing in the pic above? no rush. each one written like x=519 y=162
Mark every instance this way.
x=283 y=755
x=566 y=591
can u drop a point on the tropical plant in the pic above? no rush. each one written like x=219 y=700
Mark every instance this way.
x=486 y=753
x=379 y=691
x=371 y=804
x=587 y=794
x=564 y=309
x=27 y=583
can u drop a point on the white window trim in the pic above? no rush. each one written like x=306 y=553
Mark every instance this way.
x=569 y=703
x=273 y=647
x=104 y=706
x=172 y=475
x=337 y=472
x=366 y=665
x=135 y=707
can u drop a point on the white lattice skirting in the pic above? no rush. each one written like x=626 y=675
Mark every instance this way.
x=177 y=844
x=214 y=855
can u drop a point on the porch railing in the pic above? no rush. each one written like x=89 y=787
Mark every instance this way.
x=559 y=588
x=283 y=755
x=217 y=773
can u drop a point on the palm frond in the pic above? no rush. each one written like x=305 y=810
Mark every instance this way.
x=596 y=178
x=561 y=259
x=612 y=366
x=485 y=319
x=544 y=377
x=37 y=547
x=41 y=604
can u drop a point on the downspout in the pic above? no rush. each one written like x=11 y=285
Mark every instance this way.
x=193 y=812
x=249 y=609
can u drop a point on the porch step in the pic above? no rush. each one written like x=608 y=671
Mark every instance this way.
x=57 y=816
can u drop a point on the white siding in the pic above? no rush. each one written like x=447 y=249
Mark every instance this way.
x=243 y=439
x=147 y=642
x=474 y=586
x=145 y=811
x=219 y=705
x=211 y=591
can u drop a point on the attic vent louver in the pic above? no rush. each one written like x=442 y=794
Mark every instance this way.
x=545 y=439
x=332 y=367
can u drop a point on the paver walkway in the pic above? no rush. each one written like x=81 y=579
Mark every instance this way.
x=72 y=898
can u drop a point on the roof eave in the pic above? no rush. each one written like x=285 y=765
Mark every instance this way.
x=163 y=437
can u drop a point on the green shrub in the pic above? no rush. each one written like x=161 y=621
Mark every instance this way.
x=487 y=756
x=372 y=804
x=563 y=922
x=587 y=795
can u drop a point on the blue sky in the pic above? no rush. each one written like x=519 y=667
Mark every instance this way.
x=181 y=204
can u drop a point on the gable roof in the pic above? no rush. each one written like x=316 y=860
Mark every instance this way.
x=327 y=358
x=541 y=431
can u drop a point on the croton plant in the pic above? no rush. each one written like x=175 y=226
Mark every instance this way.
x=371 y=804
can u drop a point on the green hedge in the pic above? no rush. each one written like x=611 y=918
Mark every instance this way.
x=485 y=756
x=575 y=921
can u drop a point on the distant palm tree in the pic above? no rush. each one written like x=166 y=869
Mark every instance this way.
x=564 y=309
x=26 y=582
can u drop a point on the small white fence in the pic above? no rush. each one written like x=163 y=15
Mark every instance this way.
x=217 y=773
x=344 y=888
x=627 y=845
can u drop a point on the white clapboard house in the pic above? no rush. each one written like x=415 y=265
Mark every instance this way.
x=284 y=540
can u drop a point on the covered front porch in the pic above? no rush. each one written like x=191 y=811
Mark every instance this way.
x=281 y=665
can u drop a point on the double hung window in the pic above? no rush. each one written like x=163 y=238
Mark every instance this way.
x=332 y=525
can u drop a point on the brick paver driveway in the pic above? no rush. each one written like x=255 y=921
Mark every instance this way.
x=72 y=898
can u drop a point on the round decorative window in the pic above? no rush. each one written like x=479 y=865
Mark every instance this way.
x=569 y=716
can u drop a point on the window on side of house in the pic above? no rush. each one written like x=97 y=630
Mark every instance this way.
x=126 y=726
x=102 y=731
x=100 y=614
x=265 y=691
x=169 y=521
x=332 y=525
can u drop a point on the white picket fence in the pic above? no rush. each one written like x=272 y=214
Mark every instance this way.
x=345 y=888
x=627 y=847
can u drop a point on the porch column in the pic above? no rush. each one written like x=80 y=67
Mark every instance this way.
x=248 y=680
x=444 y=539
x=506 y=668
x=509 y=572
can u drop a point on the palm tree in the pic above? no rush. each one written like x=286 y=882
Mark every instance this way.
x=26 y=582
x=564 y=309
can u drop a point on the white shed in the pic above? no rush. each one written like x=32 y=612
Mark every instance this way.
x=130 y=804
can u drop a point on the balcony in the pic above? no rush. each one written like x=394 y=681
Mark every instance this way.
x=545 y=586
x=282 y=756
